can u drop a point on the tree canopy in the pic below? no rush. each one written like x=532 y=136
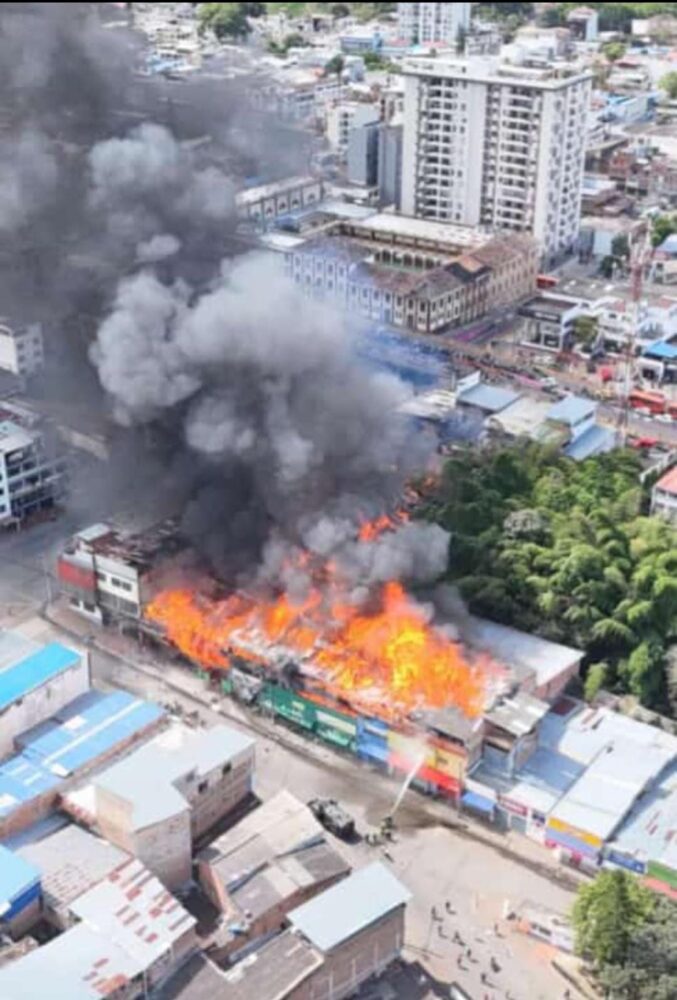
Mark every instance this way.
x=606 y=915
x=668 y=83
x=562 y=549
x=630 y=935
x=226 y=20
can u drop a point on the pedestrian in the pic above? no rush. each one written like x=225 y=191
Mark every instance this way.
x=433 y=913
x=440 y=931
x=459 y=962
x=449 y=908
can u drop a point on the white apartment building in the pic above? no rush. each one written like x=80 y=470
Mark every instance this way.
x=428 y=23
x=21 y=349
x=491 y=144
x=344 y=117
x=32 y=475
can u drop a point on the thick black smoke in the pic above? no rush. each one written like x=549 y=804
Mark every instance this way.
x=248 y=396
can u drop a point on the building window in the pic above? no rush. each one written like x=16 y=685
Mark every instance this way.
x=202 y=787
x=226 y=769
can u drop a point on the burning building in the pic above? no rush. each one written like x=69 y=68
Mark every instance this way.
x=107 y=574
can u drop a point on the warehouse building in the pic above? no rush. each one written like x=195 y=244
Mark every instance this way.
x=19 y=894
x=155 y=803
x=70 y=861
x=646 y=841
x=36 y=685
x=54 y=755
x=274 y=859
x=131 y=935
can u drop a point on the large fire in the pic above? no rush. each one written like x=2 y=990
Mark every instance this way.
x=388 y=659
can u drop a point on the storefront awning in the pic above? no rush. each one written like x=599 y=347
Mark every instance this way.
x=478 y=802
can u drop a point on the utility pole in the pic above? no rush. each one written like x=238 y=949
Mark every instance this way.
x=641 y=252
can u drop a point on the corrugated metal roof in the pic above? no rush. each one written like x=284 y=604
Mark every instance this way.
x=572 y=410
x=489 y=398
x=132 y=908
x=650 y=832
x=20 y=781
x=18 y=680
x=595 y=441
x=519 y=714
x=582 y=734
x=87 y=728
x=146 y=777
x=92 y=725
x=522 y=651
x=350 y=906
x=539 y=785
x=70 y=861
x=80 y=965
x=17 y=876
x=602 y=797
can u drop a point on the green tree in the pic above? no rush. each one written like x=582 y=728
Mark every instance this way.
x=339 y=10
x=614 y=51
x=586 y=330
x=335 y=66
x=225 y=20
x=663 y=226
x=606 y=915
x=650 y=968
x=620 y=247
x=598 y=676
x=254 y=9
x=668 y=83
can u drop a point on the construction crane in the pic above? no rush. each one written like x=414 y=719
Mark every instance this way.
x=641 y=254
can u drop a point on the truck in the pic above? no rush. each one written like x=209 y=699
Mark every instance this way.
x=333 y=818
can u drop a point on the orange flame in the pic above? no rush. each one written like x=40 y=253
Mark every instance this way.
x=371 y=530
x=388 y=660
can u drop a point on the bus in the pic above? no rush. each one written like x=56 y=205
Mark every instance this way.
x=546 y=281
x=654 y=402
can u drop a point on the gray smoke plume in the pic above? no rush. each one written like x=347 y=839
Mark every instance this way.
x=294 y=438
x=157 y=248
x=247 y=399
x=28 y=179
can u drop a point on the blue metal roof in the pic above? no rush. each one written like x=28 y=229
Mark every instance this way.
x=595 y=441
x=87 y=728
x=28 y=674
x=348 y=907
x=661 y=350
x=20 y=781
x=489 y=398
x=572 y=410
x=17 y=877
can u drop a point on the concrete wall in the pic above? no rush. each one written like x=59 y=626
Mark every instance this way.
x=355 y=961
x=214 y=795
x=164 y=847
x=166 y=850
x=41 y=703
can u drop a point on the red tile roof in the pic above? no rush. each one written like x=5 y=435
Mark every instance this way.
x=669 y=482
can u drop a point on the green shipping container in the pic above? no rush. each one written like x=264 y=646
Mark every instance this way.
x=663 y=874
x=289 y=705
